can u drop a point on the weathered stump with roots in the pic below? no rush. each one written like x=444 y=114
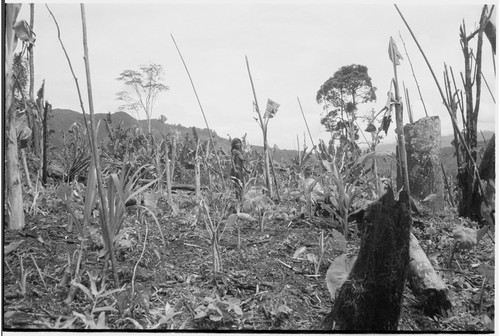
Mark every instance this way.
x=371 y=297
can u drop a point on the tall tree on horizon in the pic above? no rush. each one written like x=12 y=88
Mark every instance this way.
x=341 y=94
x=146 y=85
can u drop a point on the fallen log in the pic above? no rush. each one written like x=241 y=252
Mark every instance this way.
x=371 y=297
x=187 y=187
x=426 y=283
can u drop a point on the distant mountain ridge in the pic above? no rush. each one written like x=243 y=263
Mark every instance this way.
x=62 y=119
x=445 y=142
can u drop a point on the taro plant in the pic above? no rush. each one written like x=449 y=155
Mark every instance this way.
x=217 y=309
x=255 y=202
x=316 y=260
x=67 y=323
x=97 y=296
x=165 y=315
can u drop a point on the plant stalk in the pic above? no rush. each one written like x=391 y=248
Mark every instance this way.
x=263 y=126
x=95 y=149
x=203 y=113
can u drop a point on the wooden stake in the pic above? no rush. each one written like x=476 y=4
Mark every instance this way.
x=202 y=112
x=263 y=126
x=95 y=150
x=403 y=163
x=414 y=77
x=307 y=126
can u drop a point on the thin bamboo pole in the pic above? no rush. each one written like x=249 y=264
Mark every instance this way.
x=263 y=125
x=307 y=126
x=408 y=106
x=95 y=149
x=453 y=120
x=484 y=79
x=202 y=112
x=414 y=77
x=403 y=163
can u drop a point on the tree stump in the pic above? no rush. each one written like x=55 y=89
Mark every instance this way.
x=423 y=147
x=371 y=297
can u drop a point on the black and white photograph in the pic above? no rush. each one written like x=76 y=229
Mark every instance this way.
x=249 y=166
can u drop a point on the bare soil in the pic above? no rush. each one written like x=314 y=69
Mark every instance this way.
x=273 y=290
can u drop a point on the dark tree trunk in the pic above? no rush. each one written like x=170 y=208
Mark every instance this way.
x=469 y=191
x=47 y=110
x=371 y=298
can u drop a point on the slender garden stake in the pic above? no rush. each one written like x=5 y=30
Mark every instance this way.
x=485 y=82
x=408 y=106
x=413 y=73
x=203 y=113
x=263 y=125
x=95 y=149
x=395 y=56
x=103 y=204
x=168 y=176
x=197 y=182
x=307 y=126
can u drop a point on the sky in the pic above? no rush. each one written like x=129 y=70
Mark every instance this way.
x=293 y=47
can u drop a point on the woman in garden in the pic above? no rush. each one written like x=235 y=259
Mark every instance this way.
x=238 y=170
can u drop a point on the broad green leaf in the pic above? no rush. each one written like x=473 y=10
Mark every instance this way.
x=12 y=247
x=137 y=324
x=247 y=217
x=299 y=251
x=488 y=272
x=83 y=288
x=101 y=322
x=231 y=220
x=312 y=258
x=154 y=218
x=93 y=286
x=69 y=323
x=163 y=320
x=104 y=309
x=200 y=311
x=151 y=201
x=175 y=208
x=337 y=273
x=339 y=241
x=87 y=320
x=465 y=237
x=237 y=310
